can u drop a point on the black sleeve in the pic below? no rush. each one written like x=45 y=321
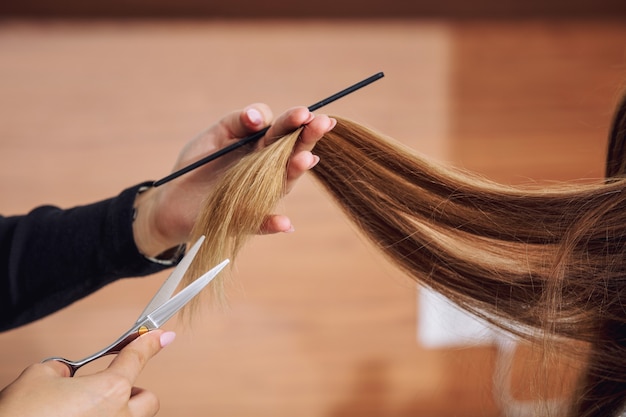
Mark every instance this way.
x=51 y=257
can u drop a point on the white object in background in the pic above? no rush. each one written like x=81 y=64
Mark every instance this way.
x=441 y=324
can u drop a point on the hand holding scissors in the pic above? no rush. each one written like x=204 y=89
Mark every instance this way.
x=159 y=310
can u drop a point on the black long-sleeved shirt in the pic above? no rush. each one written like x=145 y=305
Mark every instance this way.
x=51 y=257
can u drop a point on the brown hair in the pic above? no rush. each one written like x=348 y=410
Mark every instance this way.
x=540 y=262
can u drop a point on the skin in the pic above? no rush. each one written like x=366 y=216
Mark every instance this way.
x=44 y=389
x=165 y=217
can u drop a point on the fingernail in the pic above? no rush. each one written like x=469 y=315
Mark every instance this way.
x=167 y=338
x=254 y=116
x=290 y=230
x=333 y=123
x=316 y=159
x=309 y=119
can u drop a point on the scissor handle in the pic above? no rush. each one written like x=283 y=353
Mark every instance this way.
x=112 y=349
x=72 y=366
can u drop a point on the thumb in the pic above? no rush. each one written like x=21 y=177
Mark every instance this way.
x=249 y=120
x=131 y=360
x=56 y=368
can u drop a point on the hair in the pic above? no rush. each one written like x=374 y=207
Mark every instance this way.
x=541 y=262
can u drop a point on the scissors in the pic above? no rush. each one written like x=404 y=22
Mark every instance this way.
x=160 y=309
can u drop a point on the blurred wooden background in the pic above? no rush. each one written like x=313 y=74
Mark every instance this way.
x=319 y=324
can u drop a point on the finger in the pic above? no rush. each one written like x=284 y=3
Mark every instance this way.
x=143 y=403
x=131 y=360
x=313 y=132
x=287 y=122
x=56 y=368
x=276 y=223
x=242 y=123
x=302 y=159
x=298 y=165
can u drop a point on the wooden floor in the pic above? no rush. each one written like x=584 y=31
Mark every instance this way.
x=319 y=324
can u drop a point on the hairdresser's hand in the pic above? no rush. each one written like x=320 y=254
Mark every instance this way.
x=46 y=390
x=165 y=214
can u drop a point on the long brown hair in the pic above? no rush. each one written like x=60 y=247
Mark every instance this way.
x=540 y=262
x=602 y=389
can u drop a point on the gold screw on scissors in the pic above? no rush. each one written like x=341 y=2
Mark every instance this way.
x=159 y=310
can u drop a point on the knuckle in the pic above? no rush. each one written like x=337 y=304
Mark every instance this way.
x=140 y=357
x=114 y=386
x=152 y=402
x=44 y=369
x=36 y=368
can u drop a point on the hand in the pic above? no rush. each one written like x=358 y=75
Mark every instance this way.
x=45 y=389
x=165 y=215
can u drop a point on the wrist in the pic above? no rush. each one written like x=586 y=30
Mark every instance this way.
x=149 y=239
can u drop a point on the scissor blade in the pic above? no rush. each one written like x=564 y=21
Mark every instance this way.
x=171 y=307
x=167 y=289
